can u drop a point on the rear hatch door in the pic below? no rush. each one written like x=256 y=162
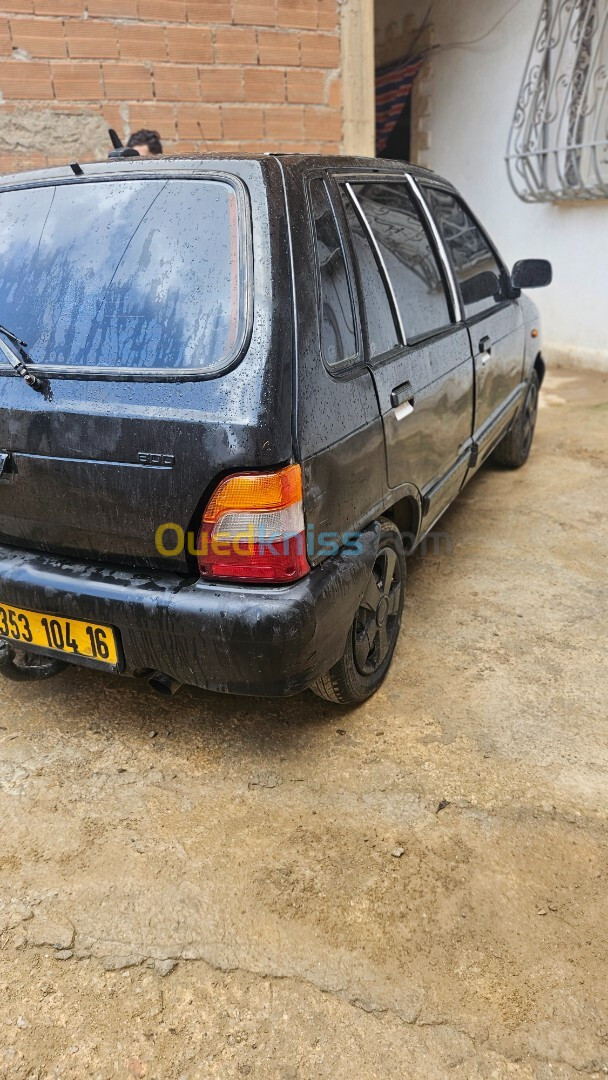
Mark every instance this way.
x=135 y=297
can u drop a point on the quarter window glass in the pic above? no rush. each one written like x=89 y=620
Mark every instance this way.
x=410 y=260
x=475 y=264
x=338 y=341
x=381 y=330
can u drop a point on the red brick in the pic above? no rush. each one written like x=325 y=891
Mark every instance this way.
x=77 y=82
x=242 y=122
x=22 y=7
x=140 y=42
x=6 y=45
x=10 y=163
x=176 y=83
x=306 y=86
x=228 y=148
x=164 y=10
x=302 y=13
x=210 y=11
x=320 y=50
x=255 y=12
x=23 y=80
x=280 y=47
x=235 y=46
x=329 y=15
x=59 y=7
x=259 y=146
x=39 y=37
x=115 y=9
x=199 y=122
x=113 y=116
x=190 y=44
x=334 y=96
x=222 y=84
x=285 y=122
x=298 y=147
x=127 y=82
x=179 y=147
x=91 y=39
x=264 y=85
x=324 y=124
x=153 y=115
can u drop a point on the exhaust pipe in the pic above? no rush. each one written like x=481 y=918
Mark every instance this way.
x=21 y=666
x=164 y=684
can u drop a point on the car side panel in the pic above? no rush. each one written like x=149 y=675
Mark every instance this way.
x=497 y=371
x=430 y=447
x=338 y=430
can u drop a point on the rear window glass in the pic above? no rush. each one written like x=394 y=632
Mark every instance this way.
x=138 y=274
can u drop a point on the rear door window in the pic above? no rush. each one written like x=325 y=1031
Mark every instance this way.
x=410 y=260
x=470 y=252
x=382 y=333
x=338 y=339
x=142 y=275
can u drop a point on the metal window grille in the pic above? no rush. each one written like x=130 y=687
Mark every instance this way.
x=558 y=144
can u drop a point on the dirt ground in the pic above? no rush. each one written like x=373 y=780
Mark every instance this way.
x=417 y=889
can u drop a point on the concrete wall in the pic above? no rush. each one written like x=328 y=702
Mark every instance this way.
x=207 y=74
x=471 y=92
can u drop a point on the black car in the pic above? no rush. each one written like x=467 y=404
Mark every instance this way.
x=234 y=394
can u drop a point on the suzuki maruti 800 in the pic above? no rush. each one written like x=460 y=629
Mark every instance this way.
x=234 y=395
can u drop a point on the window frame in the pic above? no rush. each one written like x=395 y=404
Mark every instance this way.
x=351 y=362
x=432 y=237
x=347 y=177
x=469 y=320
x=186 y=374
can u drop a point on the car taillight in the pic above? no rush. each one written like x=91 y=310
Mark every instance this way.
x=253 y=528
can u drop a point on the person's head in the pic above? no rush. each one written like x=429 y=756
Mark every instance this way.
x=147 y=143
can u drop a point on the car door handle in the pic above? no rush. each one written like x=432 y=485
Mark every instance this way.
x=404 y=410
x=485 y=348
x=401 y=394
x=402 y=400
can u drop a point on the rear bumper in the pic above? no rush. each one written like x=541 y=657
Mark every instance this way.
x=254 y=640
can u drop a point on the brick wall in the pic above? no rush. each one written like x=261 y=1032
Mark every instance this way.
x=249 y=75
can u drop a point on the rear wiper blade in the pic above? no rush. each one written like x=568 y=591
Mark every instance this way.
x=18 y=363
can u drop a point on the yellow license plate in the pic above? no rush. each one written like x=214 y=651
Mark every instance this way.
x=71 y=637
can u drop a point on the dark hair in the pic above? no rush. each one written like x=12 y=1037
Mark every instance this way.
x=146 y=138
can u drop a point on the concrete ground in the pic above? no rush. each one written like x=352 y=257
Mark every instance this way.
x=417 y=889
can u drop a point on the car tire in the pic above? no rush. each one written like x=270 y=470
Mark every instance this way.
x=375 y=629
x=514 y=450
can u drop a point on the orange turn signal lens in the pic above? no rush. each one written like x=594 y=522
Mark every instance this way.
x=255 y=491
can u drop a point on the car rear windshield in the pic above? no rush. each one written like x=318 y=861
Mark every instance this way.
x=129 y=274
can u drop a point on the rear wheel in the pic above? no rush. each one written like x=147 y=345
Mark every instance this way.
x=373 y=635
x=514 y=450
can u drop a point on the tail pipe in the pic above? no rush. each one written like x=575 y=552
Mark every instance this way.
x=164 y=684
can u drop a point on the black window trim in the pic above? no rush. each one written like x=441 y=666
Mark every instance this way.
x=348 y=363
x=388 y=285
x=127 y=374
x=469 y=320
x=437 y=242
x=346 y=178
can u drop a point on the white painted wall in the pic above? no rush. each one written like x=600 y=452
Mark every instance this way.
x=473 y=90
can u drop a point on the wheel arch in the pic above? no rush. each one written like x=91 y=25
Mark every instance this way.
x=406 y=513
x=540 y=368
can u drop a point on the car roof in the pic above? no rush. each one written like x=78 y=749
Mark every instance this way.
x=292 y=162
